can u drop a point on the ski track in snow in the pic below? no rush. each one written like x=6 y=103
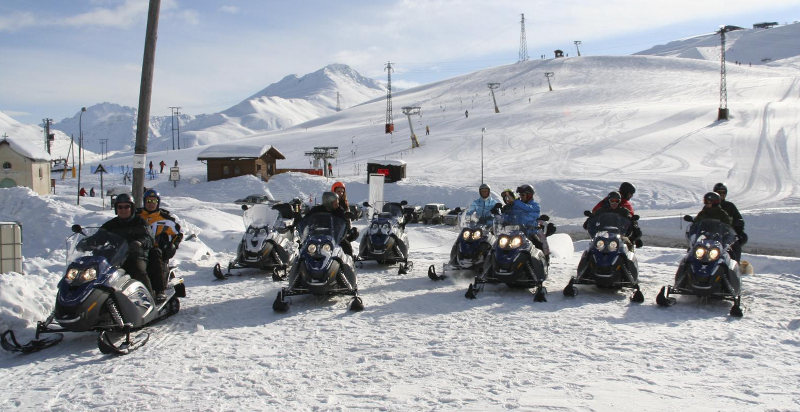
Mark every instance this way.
x=421 y=345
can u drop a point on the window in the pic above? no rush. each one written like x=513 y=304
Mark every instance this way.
x=226 y=170
x=40 y=173
x=237 y=171
x=6 y=165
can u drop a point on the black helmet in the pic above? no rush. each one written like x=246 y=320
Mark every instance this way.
x=526 y=188
x=720 y=187
x=328 y=198
x=712 y=198
x=626 y=190
x=614 y=195
x=123 y=198
x=152 y=193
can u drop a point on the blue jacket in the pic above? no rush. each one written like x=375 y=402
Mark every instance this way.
x=525 y=213
x=483 y=207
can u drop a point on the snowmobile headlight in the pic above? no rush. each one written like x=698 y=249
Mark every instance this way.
x=503 y=241
x=699 y=253
x=477 y=235
x=312 y=248
x=72 y=273
x=326 y=249
x=713 y=254
x=262 y=231
x=600 y=244
x=88 y=275
x=612 y=246
x=466 y=234
x=373 y=228
x=516 y=242
x=385 y=228
x=251 y=231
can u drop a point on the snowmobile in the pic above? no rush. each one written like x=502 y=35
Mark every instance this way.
x=609 y=262
x=707 y=270
x=514 y=260
x=268 y=243
x=323 y=268
x=96 y=294
x=385 y=240
x=471 y=248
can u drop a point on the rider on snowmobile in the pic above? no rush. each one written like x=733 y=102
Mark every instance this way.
x=736 y=218
x=167 y=234
x=612 y=205
x=626 y=191
x=712 y=210
x=133 y=229
x=483 y=205
x=330 y=204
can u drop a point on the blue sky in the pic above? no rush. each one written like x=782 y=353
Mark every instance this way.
x=58 y=56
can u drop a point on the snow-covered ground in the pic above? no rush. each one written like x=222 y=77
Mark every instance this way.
x=420 y=344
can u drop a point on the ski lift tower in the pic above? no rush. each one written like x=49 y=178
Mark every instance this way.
x=408 y=111
x=549 y=75
x=723 y=88
x=321 y=154
x=493 y=86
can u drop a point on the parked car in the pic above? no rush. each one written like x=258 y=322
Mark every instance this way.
x=451 y=218
x=412 y=213
x=255 y=199
x=434 y=213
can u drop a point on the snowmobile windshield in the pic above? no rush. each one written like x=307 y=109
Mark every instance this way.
x=260 y=215
x=508 y=224
x=609 y=221
x=473 y=220
x=322 y=224
x=395 y=209
x=713 y=229
x=97 y=242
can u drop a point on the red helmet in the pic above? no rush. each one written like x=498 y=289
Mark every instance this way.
x=337 y=184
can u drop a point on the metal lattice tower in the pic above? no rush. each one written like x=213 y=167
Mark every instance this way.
x=523 y=44
x=389 y=117
x=723 y=88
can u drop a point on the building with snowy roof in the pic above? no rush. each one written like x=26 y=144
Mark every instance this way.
x=224 y=161
x=22 y=164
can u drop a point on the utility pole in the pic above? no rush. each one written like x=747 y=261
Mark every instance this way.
x=145 y=91
x=523 y=44
x=172 y=122
x=338 y=104
x=389 y=118
x=48 y=137
x=493 y=86
x=408 y=111
x=549 y=75
x=577 y=43
x=104 y=148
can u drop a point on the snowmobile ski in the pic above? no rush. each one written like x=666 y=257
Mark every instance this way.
x=125 y=343
x=9 y=342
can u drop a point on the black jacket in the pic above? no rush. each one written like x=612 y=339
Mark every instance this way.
x=133 y=229
x=733 y=212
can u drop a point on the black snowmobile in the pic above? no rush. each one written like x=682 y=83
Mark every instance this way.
x=323 y=268
x=707 y=270
x=269 y=241
x=514 y=260
x=609 y=262
x=385 y=240
x=471 y=248
x=96 y=294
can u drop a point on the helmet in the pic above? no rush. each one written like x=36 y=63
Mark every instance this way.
x=328 y=198
x=626 y=190
x=123 y=198
x=614 y=195
x=337 y=185
x=712 y=197
x=484 y=186
x=152 y=193
x=526 y=188
x=720 y=187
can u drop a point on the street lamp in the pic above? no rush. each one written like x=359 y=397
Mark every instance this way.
x=80 y=150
